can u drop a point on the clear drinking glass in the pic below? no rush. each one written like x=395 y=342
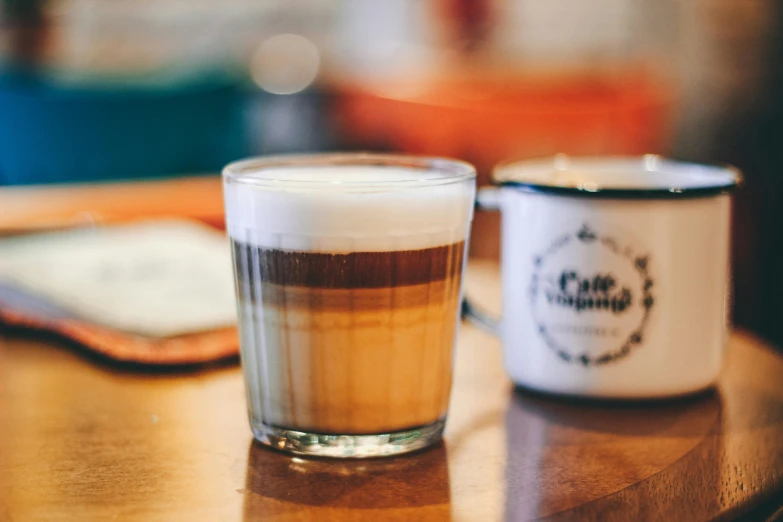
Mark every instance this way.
x=348 y=272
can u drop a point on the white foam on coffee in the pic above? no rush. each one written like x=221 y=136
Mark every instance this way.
x=338 y=209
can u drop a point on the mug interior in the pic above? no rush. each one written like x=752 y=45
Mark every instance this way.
x=643 y=176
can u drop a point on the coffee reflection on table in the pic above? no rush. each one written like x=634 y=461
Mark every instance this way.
x=571 y=458
x=277 y=484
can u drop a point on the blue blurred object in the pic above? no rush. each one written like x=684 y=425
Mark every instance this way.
x=55 y=133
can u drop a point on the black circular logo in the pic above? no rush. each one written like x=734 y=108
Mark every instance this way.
x=591 y=296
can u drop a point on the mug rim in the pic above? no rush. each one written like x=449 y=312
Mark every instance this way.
x=647 y=162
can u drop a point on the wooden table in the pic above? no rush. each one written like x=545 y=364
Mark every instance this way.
x=44 y=207
x=81 y=440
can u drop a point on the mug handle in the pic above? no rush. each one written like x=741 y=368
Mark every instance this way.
x=487 y=199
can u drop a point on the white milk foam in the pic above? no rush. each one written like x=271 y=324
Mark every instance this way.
x=343 y=212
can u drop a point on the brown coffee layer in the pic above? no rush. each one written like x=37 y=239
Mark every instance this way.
x=356 y=299
x=352 y=270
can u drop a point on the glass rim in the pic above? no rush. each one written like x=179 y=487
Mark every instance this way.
x=246 y=171
x=727 y=177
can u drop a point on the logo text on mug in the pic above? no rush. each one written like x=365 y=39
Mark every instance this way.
x=591 y=296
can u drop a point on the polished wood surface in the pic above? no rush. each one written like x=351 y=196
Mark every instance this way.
x=34 y=208
x=80 y=440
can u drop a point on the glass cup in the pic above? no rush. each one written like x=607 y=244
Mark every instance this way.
x=348 y=272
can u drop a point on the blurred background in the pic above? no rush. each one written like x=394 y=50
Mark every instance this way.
x=95 y=91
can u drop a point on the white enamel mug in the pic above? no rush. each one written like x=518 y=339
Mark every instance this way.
x=615 y=274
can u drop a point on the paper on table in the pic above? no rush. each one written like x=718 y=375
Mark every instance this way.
x=159 y=279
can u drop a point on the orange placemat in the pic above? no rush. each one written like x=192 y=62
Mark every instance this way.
x=125 y=327
x=189 y=349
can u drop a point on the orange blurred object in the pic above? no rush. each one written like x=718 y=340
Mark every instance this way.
x=486 y=117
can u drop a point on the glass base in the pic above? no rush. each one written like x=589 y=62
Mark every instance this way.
x=348 y=446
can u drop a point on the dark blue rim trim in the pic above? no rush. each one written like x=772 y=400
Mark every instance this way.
x=662 y=193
